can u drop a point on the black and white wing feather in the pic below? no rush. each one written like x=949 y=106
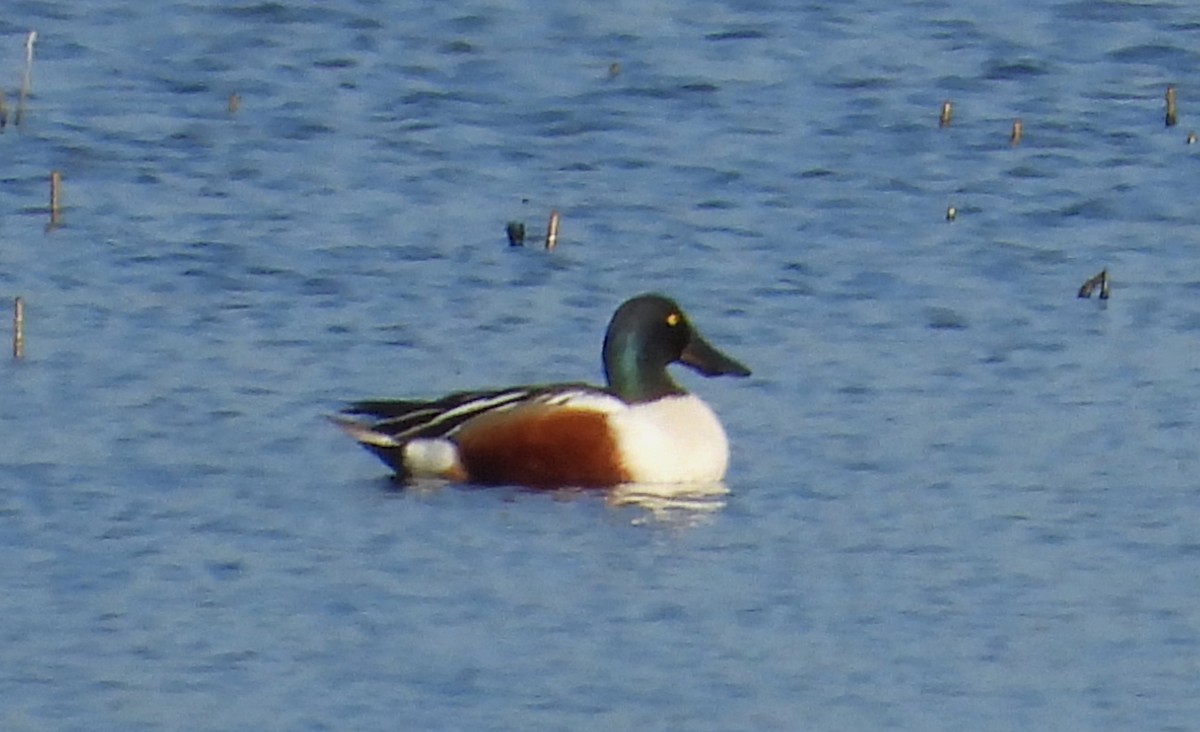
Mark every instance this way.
x=404 y=420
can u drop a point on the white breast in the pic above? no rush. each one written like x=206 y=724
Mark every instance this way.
x=672 y=440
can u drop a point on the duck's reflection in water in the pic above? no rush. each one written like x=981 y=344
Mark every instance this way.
x=678 y=504
x=671 y=503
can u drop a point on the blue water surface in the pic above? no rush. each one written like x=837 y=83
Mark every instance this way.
x=960 y=497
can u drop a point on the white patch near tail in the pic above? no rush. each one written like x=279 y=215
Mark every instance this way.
x=433 y=459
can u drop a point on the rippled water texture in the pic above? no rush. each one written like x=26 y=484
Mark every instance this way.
x=960 y=497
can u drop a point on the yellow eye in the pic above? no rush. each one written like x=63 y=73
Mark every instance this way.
x=673 y=319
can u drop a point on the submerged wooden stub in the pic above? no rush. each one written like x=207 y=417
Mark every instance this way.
x=1172 y=108
x=1017 y=130
x=552 y=230
x=55 y=198
x=1100 y=280
x=614 y=69
x=18 y=332
x=516 y=233
x=235 y=102
x=946 y=115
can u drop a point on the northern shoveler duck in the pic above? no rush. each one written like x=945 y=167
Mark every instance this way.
x=642 y=428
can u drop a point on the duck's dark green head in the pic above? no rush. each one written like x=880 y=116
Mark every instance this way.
x=646 y=334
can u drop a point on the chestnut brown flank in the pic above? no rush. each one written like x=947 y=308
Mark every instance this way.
x=541 y=447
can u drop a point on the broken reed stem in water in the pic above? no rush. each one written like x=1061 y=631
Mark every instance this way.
x=1172 y=110
x=552 y=230
x=1017 y=130
x=55 y=193
x=27 y=78
x=946 y=115
x=1100 y=280
x=18 y=334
